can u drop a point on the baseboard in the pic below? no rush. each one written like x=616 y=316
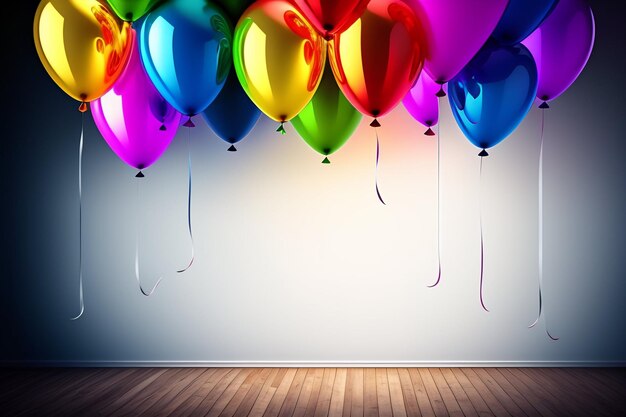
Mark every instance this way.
x=315 y=364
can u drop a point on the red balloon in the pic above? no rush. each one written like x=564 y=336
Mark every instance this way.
x=330 y=17
x=378 y=59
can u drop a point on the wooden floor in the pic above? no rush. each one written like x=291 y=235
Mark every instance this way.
x=314 y=392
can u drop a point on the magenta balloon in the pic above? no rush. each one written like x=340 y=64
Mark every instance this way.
x=421 y=101
x=455 y=31
x=561 y=47
x=134 y=119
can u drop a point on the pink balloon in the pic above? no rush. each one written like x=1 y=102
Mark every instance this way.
x=134 y=119
x=561 y=47
x=455 y=31
x=422 y=103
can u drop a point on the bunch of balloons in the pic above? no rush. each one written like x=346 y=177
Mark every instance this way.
x=148 y=65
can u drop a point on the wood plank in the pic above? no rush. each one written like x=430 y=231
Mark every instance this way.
x=156 y=391
x=458 y=392
x=243 y=379
x=311 y=405
x=370 y=396
x=504 y=399
x=273 y=408
x=317 y=392
x=436 y=401
x=290 y=401
x=396 y=393
x=322 y=408
x=260 y=388
x=544 y=407
x=512 y=392
x=382 y=391
x=423 y=400
x=188 y=392
x=446 y=393
x=134 y=391
x=347 y=394
x=305 y=392
x=490 y=399
x=210 y=397
x=561 y=397
x=263 y=399
x=477 y=401
x=338 y=395
x=410 y=400
x=246 y=394
x=357 y=406
x=160 y=408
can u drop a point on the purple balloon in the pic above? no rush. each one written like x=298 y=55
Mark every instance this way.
x=134 y=119
x=561 y=47
x=455 y=31
x=422 y=103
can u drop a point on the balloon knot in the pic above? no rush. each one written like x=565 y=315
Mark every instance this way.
x=544 y=105
x=232 y=148
x=139 y=175
x=163 y=128
x=326 y=161
x=375 y=123
x=483 y=153
x=441 y=93
x=83 y=107
x=281 y=128
x=189 y=123
x=429 y=132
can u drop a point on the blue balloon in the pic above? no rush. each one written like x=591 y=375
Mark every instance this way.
x=186 y=49
x=520 y=19
x=491 y=96
x=232 y=115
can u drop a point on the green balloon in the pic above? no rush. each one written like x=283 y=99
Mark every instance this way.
x=328 y=121
x=132 y=10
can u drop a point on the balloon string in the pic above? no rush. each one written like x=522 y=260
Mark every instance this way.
x=438 y=206
x=80 y=218
x=189 y=194
x=540 y=229
x=137 y=240
x=376 y=174
x=482 y=241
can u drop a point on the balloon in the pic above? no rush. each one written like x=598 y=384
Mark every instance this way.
x=330 y=17
x=234 y=8
x=82 y=45
x=493 y=93
x=279 y=58
x=232 y=115
x=456 y=30
x=521 y=18
x=422 y=103
x=562 y=46
x=136 y=122
x=186 y=50
x=328 y=121
x=131 y=10
x=378 y=59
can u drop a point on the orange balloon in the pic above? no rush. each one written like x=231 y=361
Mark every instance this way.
x=83 y=46
x=379 y=58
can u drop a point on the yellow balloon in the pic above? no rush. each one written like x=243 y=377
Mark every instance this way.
x=279 y=58
x=82 y=45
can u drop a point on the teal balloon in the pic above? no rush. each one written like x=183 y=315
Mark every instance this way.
x=328 y=121
x=493 y=94
x=186 y=49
